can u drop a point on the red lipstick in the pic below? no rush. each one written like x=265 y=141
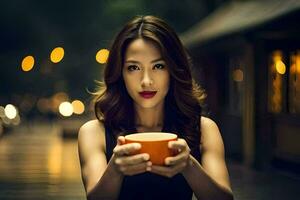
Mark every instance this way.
x=147 y=94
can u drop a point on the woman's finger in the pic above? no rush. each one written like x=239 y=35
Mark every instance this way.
x=121 y=140
x=181 y=157
x=132 y=160
x=126 y=149
x=168 y=171
x=136 y=169
x=180 y=144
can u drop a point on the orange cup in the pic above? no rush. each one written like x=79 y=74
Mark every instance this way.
x=153 y=143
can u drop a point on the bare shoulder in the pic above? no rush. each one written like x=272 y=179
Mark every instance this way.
x=207 y=122
x=91 y=127
x=213 y=157
x=91 y=149
x=92 y=134
x=210 y=135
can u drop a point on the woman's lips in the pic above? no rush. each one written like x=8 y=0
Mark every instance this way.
x=147 y=94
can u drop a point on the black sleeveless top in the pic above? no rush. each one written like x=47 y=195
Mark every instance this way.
x=149 y=185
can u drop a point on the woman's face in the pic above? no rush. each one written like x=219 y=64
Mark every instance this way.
x=145 y=74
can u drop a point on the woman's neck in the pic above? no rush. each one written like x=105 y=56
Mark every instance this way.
x=149 y=119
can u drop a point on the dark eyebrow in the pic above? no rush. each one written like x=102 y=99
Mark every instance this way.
x=158 y=59
x=153 y=61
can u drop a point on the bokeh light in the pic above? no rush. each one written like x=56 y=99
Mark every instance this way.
x=280 y=67
x=57 y=54
x=10 y=111
x=102 y=56
x=238 y=75
x=16 y=121
x=27 y=63
x=57 y=99
x=66 y=109
x=279 y=64
x=78 y=107
x=2 y=111
x=6 y=121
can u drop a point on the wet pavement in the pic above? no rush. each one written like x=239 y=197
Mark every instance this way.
x=248 y=184
x=37 y=163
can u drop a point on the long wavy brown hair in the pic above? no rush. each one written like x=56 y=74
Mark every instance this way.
x=113 y=105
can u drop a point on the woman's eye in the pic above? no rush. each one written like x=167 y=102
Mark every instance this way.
x=159 y=66
x=132 y=67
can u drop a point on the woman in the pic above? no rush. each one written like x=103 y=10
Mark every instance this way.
x=148 y=87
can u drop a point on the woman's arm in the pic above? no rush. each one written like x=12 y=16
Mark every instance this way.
x=102 y=180
x=208 y=180
x=203 y=185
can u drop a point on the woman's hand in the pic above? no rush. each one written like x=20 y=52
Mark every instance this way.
x=175 y=164
x=127 y=163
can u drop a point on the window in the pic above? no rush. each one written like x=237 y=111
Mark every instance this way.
x=294 y=82
x=284 y=82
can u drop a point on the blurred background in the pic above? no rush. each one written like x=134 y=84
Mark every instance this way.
x=246 y=55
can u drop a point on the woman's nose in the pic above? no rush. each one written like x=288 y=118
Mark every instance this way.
x=146 y=79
